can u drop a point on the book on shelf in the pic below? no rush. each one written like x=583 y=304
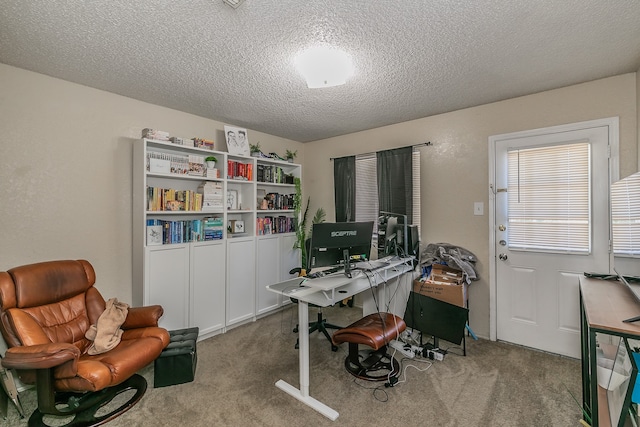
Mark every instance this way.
x=239 y=171
x=275 y=225
x=213 y=228
x=169 y=199
x=196 y=165
x=212 y=196
x=167 y=232
x=273 y=174
x=167 y=163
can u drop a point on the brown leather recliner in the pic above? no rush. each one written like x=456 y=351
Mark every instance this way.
x=45 y=311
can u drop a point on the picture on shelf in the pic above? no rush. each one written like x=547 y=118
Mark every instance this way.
x=237 y=140
x=232 y=200
x=154 y=235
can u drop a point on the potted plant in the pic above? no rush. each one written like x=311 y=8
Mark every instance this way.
x=211 y=161
x=255 y=149
x=301 y=230
x=290 y=155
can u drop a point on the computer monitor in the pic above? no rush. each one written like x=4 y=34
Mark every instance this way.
x=413 y=240
x=332 y=243
x=436 y=318
x=396 y=236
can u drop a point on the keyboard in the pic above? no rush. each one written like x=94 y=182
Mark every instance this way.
x=326 y=272
x=373 y=265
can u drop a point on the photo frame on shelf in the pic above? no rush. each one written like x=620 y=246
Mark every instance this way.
x=154 y=235
x=232 y=200
x=237 y=140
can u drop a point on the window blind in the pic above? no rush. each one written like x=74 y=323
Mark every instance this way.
x=367 y=191
x=625 y=216
x=549 y=198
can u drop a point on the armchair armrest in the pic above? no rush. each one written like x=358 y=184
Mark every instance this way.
x=142 y=317
x=41 y=356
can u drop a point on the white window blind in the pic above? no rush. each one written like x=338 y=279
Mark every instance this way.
x=549 y=198
x=367 y=189
x=625 y=215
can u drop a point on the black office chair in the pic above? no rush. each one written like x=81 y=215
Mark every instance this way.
x=321 y=323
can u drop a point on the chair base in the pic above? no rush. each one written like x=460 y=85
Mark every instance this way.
x=371 y=365
x=320 y=325
x=83 y=407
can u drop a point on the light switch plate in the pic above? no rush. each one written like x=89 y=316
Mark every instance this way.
x=478 y=208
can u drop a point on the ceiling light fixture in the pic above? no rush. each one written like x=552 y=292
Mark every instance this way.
x=233 y=3
x=324 y=66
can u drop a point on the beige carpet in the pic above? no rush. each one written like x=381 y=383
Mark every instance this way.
x=496 y=384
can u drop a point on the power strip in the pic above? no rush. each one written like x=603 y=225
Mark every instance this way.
x=433 y=355
x=402 y=348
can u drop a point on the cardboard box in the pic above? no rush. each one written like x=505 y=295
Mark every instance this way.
x=448 y=292
x=442 y=273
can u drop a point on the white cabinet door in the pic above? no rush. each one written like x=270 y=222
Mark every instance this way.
x=268 y=272
x=208 y=276
x=167 y=283
x=241 y=279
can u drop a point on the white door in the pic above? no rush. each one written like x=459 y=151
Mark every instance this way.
x=551 y=195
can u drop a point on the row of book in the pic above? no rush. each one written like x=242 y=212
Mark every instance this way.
x=160 y=135
x=239 y=170
x=168 y=199
x=273 y=174
x=278 y=201
x=164 y=232
x=275 y=225
x=192 y=164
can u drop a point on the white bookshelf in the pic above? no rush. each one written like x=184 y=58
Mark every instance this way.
x=213 y=284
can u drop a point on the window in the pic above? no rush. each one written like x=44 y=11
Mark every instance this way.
x=367 y=189
x=625 y=216
x=548 y=196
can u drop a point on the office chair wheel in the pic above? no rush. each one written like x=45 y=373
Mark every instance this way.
x=295 y=330
x=334 y=348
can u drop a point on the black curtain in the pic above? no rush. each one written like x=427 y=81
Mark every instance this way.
x=395 y=181
x=344 y=182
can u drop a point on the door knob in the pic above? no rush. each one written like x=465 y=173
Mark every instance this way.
x=503 y=257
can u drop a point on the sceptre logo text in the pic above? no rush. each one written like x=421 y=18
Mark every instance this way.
x=343 y=233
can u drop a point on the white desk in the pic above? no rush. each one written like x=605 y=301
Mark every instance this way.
x=326 y=291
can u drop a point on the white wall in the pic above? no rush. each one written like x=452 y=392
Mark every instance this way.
x=455 y=169
x=66 y=179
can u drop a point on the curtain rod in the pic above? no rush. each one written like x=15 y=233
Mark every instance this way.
x=422 y=144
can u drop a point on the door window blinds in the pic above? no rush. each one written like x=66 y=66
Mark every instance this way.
x=549 y=198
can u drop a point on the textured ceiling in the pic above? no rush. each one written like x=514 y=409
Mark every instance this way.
x=412 y=58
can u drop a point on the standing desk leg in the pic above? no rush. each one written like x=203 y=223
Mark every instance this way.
x=302 y=394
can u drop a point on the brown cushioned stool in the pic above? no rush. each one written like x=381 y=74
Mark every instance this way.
x=375 y=331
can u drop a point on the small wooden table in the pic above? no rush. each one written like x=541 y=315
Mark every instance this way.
x=604 y=304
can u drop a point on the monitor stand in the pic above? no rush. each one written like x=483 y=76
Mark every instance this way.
x=347 y=263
